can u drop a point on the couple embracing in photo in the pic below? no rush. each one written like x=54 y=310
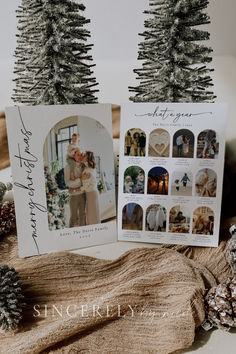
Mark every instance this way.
x=80 y=177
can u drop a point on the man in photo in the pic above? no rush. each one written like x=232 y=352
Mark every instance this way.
x=179 y=143
x=180 y=218
x=185 y=180
x=142 y=144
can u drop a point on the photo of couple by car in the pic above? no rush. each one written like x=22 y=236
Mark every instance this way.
x=78 y=157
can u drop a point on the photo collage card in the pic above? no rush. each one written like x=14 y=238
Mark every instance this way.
x=171 y=173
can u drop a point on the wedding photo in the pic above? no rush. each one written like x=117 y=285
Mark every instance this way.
x=206 y=183
x=134 y=180
x=208 y=145
x=159 y=143
x=158 y=181
x=181 y=183
x=179 y=219
x=203 y=221
x=132 y=217
x=79 y=174
x=135 y=142
x=156 y=218
x=183 y=144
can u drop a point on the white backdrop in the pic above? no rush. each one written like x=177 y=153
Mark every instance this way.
x=114 y=27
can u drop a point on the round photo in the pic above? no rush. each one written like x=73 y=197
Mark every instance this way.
x=203 y=221
x=206 y=183
x=132 y=217
x=158 y=181
x=134 y=180
x=156 y=218
x=181 y=183
x=159 y=143
x=135 y=142
x=208 y=145
x=179 y=219
x=183 y=144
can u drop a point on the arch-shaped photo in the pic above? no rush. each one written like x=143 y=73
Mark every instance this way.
x=179 y=219
x=132 y=217
x=135 y=142
x=158 y=181
x=206 y=183
x=181 y=183
x=203 y=221
x=183 y=144
x=208 y=144
x=79 y=174
x=134 y=180
x=156 y=218
x=159 y=143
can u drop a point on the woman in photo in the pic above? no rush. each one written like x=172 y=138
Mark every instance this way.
x=128 y=143
x=160 y=219
x=151 y=218
x=76 y=193
x=90 y=188
x=135 y=146
x=185 y=145
x=139 y=188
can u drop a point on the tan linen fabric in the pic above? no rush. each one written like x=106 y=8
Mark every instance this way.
x=163 y=287
x=211 y=258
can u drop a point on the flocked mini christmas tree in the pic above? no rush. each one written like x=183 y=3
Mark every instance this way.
x=53 y=64
x=27 y=39
x=175 y=61
x=56 y=201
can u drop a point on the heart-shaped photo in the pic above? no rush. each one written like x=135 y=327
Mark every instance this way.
x=159 y=143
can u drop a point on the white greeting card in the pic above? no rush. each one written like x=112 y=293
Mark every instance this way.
x=171 y=173
x=63 y=174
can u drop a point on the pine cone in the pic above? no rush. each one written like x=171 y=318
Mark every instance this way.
x=220 y=304
x=7 y=217
x=11 y=298
x=3 y=189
